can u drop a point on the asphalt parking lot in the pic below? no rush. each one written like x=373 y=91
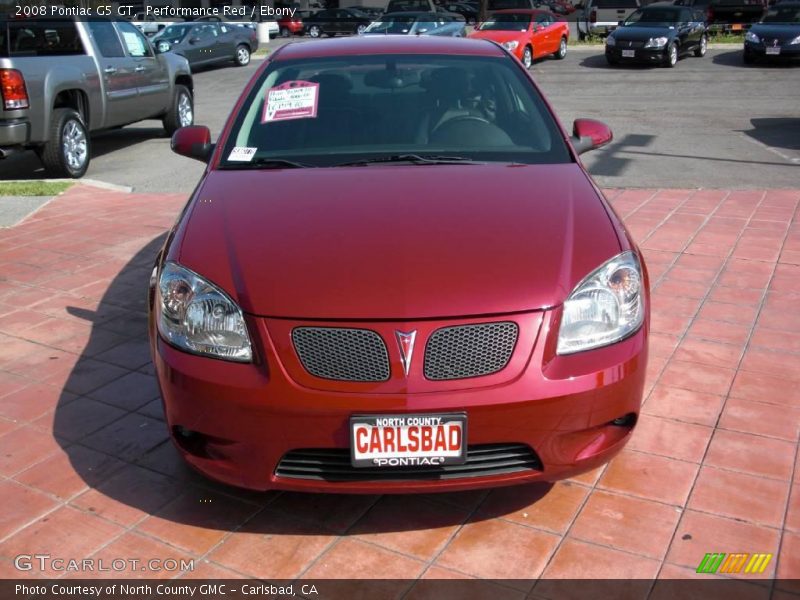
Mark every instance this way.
x=710 y=123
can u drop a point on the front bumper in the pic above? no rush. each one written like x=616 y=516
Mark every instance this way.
x=640 y=55
x=249 y=416
x=786 y=51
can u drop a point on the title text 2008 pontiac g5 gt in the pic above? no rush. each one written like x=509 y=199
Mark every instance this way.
x=396 y=276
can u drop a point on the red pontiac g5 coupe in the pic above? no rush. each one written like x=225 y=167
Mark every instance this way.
x=395 y=275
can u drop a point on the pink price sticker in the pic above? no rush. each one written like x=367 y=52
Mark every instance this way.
x=291 y=100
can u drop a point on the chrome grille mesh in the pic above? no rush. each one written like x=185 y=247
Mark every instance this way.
x=341 y=353
x=469 y=350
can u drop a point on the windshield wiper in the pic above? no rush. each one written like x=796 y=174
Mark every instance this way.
x=265 y=162
x=414 y=159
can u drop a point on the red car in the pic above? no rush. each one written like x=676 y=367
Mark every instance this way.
x=289 y=26
x=528 y=34
x=395 y=275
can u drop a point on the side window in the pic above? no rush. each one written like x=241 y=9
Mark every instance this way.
x=106 y=39
x=135 y=42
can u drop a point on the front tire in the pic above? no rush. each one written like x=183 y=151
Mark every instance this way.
x=314 y=31
x=527 y=57
x=672 y=56
x=360 y=29
x=700 y=51
x=562 y=49
x=748 y=58
x=181 y=113
x=67 y=151
x=612 y=62
x=242 y=56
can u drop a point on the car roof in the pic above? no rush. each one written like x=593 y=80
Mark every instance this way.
x=523 y=11
x=390 y=44
x=409 y=13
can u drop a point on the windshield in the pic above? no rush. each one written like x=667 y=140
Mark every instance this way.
x=783 y=14
x=174 y=32
x=654 y=17
x=506 y=22
x=329 y=111
x=391 y=24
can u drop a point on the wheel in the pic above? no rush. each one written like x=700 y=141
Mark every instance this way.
x=242 y=56
x=527 y=57
x=611 y=60
x=700 y=51
x=748 y=58
x=672 y=56
x=181 y=114
x=67 y=150
x=562 y=49
x=314 y=31
x=285 y=32
x=360 y=29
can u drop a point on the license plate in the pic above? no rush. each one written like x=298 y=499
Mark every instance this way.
x=628 y=53
x=421 y=440
x=736 y=27
x=773 y=50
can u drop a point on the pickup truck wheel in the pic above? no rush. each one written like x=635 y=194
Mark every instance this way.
x=242 y=57
x=562 y=49
x=181 y=113
x=700 y=51
x=68 y=148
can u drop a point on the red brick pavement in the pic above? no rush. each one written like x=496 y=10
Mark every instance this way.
x=87 y=470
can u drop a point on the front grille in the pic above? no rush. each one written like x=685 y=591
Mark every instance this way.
x=333 y=464
x=469 y=350
x=631 y=44
x=341 y=353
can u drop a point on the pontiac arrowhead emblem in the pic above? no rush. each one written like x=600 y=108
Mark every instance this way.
x=405 y=341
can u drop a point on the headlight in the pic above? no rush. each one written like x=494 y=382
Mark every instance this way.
x=510 y=46
x=610 y=41
x=197 y=316
x=752 y=37
x=605 y=307
x=795 y=41
x=658 y=42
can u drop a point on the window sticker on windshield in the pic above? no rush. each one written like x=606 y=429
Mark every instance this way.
x=291 y=100
x=242 y=154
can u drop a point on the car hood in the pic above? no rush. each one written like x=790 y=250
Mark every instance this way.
x=770 y=31
x=498 y=36
x=396 y=242
x=631 y=33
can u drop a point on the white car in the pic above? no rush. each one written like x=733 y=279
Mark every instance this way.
x=150 y=25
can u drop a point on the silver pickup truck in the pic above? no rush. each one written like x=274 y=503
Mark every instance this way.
x=61 y=79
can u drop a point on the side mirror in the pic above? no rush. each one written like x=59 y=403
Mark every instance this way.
x=193 y=142
x=588 y=134
x=194 y=40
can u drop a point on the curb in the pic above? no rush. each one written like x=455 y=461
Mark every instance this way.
x=105 y=185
